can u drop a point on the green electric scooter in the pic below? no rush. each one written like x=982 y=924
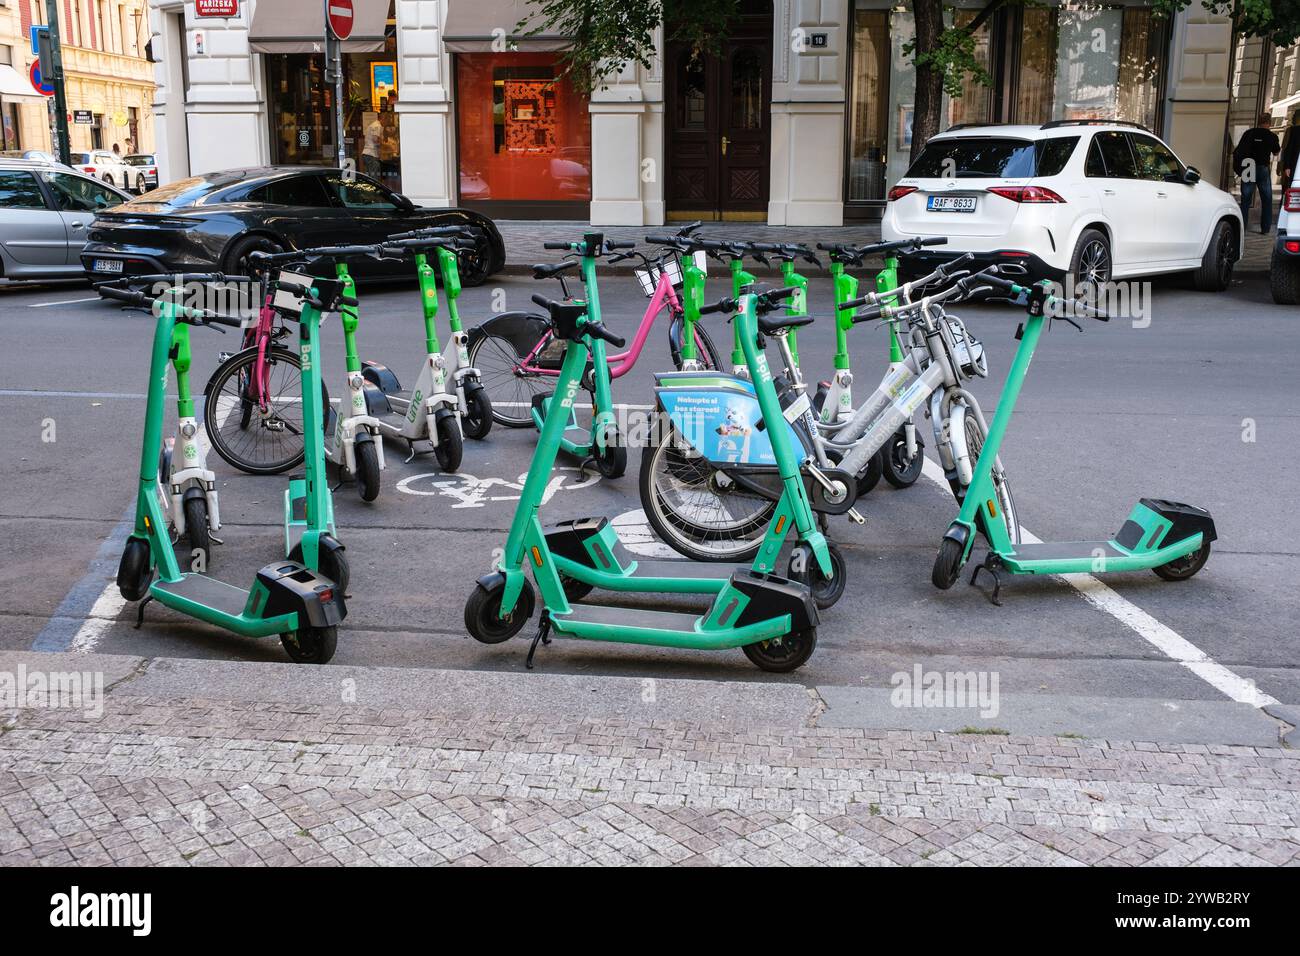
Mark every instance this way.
x=288 y=597
x=1168 y=537
x=772 y=619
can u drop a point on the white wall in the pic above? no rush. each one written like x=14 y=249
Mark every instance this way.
x=429 y=176
x=1198 y=94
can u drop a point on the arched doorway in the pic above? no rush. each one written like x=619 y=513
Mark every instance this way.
x=718 y=123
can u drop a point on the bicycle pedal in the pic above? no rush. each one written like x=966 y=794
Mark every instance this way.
x=855 y=516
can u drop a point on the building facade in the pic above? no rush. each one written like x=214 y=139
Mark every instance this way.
x=108 y=77
x=804 y=117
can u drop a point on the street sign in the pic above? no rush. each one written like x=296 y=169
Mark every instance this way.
x=338 y=13
x=39 y=84
x=216 y=8
x=83 y=117
x=36 y=33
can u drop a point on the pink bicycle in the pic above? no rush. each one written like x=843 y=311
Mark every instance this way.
x=518 y=357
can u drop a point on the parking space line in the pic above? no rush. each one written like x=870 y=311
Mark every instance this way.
x=42 y=305
x=87 y=610
x=1160 y=636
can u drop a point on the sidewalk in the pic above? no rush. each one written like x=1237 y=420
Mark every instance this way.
x=524 y=240
x=205 y=762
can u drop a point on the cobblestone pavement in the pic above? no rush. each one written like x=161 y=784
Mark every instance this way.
x=524 y=238
x=176 y=781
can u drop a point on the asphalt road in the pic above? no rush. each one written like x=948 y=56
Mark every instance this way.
x=1197 y=406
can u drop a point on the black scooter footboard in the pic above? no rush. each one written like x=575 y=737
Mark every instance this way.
x=771 y=595
x=1186 y=519
x=290 y=587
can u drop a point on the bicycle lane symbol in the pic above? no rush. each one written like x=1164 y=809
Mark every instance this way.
x=469 y=491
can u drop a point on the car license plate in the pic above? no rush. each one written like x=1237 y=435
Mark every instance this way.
x=108 y=265
x=951 y=204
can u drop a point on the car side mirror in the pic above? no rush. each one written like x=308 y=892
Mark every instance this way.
x=1191 y=175
x=403 y=203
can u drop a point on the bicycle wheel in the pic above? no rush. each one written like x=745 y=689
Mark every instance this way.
x=1001 y=484
x=695 y=508
x=256 y=441
x=508 y=388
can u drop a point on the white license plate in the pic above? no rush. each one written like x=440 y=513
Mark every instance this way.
x=108 y=265
x=951 y=204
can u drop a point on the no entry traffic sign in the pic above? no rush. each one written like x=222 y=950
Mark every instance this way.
x=338 y=14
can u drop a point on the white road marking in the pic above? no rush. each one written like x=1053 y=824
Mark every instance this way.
x=42 y=305
x=634 y=531
x=1160 y=636
x=103 y=615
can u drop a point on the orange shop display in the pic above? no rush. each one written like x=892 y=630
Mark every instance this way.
x=524 y=131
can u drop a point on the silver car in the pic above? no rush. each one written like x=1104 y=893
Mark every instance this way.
x=45 y=213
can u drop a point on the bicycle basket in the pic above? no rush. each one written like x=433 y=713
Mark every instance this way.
x=649 y=276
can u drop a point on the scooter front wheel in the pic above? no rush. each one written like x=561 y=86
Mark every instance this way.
x=899 y=470
x=947 y=564
x=804 y=568
x=483 y=617
x=450 y=448
x=367 y=458
x=477 y=421
x=612 y=460
x=311 y=645
x=196 y=529
x=1180 y=569
x=781 y=655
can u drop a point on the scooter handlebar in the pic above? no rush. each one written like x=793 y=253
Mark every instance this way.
x=556 y=245
x=129 y=296
x=598 y=331
x=722 y=305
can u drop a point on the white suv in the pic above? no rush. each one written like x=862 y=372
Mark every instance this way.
x=1090 y=199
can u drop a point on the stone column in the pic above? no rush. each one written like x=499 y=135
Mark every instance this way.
x=1196 y=114
x=808 y=112
x=627 y=146
x=427 y=127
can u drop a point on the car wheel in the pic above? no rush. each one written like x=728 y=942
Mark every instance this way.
x=1215 y=273
x=237 y=257
x=476 y=266
x=1091 y=264
x=1284 y=279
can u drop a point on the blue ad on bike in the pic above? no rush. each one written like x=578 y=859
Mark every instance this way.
x=719 y=416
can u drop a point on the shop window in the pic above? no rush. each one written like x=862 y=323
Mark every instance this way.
x=12 y=124
x=524 y=131
x=302 y=111
x=869 y=112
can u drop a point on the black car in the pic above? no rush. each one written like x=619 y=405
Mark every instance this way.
x=215 y=220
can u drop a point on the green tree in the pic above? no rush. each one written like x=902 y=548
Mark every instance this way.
x=610 y=34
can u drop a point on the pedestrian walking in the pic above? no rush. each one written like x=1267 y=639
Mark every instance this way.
x=1252 y=160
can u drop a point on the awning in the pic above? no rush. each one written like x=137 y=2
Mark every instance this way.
x=471 y=24
x=16 y=86
x=298 y=26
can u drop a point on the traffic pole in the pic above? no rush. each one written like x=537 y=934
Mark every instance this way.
x=59 y=129
x=334 y=53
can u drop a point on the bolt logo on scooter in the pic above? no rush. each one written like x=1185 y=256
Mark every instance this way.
x=447 y=399
x=1168 y=537
x=772 y=619
x=287 y=598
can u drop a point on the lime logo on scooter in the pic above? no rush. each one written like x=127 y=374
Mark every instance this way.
x=414 y=411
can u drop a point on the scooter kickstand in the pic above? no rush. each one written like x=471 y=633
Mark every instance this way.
x=139 y=611
x=990 y=564
x=542 y=636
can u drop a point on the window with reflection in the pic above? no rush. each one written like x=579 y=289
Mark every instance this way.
x=747 y=89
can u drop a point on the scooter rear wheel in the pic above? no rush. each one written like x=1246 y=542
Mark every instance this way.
x=947 y=564
x=781 y=655
x=612 y=462
x=1180 y=569
x=311 y=645
x=483 y=617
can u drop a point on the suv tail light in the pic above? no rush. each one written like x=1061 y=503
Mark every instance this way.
x=1026 y=193
x=88 y=169
x=898 y=192
x=1291 y=200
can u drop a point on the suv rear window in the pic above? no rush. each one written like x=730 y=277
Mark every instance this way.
x=992 y=157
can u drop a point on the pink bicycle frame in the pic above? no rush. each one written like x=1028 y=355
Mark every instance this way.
x=621 y=363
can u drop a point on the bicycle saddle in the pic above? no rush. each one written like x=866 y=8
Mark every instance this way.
x=780 y=323
x=543 y=270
